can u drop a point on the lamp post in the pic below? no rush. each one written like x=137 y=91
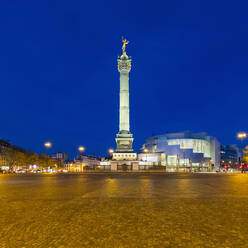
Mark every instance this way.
x=184 y=162
x=242 y=136
x=81 y=149
x=111 y=151
x=145 y=150
x=48 y=144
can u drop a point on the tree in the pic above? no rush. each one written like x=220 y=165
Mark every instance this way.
x=45 y=161
x=15 y=158
x=10 y=158
x=32 y=158
x=20 y=159
x=58 y=163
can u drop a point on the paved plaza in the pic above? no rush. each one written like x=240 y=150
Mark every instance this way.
x=124 y=210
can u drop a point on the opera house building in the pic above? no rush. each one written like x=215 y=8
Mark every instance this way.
x=181 y=151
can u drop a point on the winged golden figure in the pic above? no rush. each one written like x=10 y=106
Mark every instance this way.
x=125 y=42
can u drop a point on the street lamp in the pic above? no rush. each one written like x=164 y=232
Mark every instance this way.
x=48 y=144
x=184 y=162
x=80 y=157
x=110 y=151
x=242 y=136
x=145 y=150
x=81 y=149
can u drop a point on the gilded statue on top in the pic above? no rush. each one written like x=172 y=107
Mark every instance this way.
x=125 y=42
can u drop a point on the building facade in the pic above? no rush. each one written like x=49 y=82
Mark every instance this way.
x=62 y=156
x=8 y=155
x=230 y=156
x=182 y=151
x=88 y=160
x=82 y=163
x=245 y=155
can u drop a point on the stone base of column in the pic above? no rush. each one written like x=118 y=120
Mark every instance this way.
x=124 y=141
x=124 y=156
x=123 y=165
x=135 y=166
x=113 y=166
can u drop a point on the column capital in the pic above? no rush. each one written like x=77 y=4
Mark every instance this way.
x=124 y=63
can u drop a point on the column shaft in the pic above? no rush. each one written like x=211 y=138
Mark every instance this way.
x=124 y=101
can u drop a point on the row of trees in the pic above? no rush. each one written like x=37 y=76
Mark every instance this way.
x=14 y=158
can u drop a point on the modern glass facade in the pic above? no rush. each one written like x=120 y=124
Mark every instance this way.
x=185 y=150
x=197 y=145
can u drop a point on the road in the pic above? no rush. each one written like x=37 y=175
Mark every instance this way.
x=124 y=210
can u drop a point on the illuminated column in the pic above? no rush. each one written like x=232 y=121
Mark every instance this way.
x=124 y=67
x=124 y=138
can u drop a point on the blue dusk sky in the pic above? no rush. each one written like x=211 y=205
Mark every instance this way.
x=59 y=78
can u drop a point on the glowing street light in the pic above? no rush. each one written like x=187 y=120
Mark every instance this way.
x=145 y=150
x=241 y=135
x=81 y=148
x=111 y=151
x=48 y=144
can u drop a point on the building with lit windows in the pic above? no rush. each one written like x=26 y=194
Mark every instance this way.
x=6 y=153
x=63 y=156
x=88 y=161
x=182 y=151
x=83 y=163
x=245 y=155
x=230 y=156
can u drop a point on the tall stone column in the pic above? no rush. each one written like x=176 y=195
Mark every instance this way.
x=124 y=67
x=124 y=138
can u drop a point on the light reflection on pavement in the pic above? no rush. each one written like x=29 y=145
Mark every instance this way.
x=124 y=210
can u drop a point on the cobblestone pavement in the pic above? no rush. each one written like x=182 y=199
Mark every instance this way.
x=124 y=210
